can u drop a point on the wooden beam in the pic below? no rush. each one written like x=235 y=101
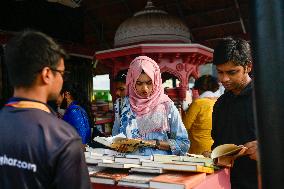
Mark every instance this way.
x=214 y=26
x=240 y=16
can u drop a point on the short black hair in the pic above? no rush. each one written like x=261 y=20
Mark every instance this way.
x=206 y=83
x=121 y=76
x=236 y=50
x=27 y=54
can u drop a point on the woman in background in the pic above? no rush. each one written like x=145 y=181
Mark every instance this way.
x=148 y=114
x=78 y=113
x=198 y=118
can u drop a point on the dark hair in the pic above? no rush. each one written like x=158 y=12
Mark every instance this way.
x=206 y=83
x=235 y=50
x=27 y=54
x=121 y=76
x=80 y=96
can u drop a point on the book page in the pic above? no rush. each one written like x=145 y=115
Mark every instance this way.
x=226 y=150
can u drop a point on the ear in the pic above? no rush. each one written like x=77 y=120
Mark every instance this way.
x=248 y=68
x=46 y=75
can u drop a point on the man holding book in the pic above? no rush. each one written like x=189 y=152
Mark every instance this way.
x=233 y=117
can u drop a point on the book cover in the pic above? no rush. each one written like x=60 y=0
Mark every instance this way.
x=108 y=141
x=138 y=178
x=227 y=150
x=224 y=155
x=177 y=180
x=119 y=142
x=108 y=176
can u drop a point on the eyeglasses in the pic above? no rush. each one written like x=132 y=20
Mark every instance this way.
x=63 y=73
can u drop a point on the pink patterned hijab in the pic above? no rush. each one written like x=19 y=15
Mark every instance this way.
x=139 y=104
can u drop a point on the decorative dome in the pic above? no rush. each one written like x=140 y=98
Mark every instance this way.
x=151 y=26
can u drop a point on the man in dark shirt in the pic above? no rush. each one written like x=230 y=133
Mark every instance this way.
x=120 y=84
x=37 y=149
x=233 y=117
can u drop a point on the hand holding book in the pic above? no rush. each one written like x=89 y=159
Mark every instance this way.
x=131 y=145
x=122 y=144
x=252 y=149
x=224 y=155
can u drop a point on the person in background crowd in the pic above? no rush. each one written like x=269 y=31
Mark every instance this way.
x=148 y=114
x=198 y=118
x=120 y=89
x=37 y=150
x=120 y=84
x=233 y=115
x=78 y=113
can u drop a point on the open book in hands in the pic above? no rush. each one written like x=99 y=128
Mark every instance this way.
x=224 y=155
x=122 y=144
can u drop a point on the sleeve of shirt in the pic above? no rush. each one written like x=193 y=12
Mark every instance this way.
x=71 y=170
x=116 y=124
x=191 y=115
x=81 y=123
x=178 y=140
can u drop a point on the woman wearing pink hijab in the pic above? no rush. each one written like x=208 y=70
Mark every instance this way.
x=149 y=114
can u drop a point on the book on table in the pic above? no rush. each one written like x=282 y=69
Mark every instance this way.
x=132 y=184
x=108 y=176
x=176 y=180
x=179 y=166
x=132 y=159
x=102 y=152
x=148 y=170
x=118 y=165
x=120 y=141
x=198 y=159
x=224 y=155
x=191 y=159
x=94 y=169
x=136 y=180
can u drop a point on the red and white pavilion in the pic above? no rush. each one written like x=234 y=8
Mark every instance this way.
x=165 y=39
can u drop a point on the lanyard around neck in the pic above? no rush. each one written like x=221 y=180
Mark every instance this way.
x=29 y=104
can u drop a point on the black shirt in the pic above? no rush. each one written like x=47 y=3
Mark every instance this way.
x=233 y=123
x=38 y=150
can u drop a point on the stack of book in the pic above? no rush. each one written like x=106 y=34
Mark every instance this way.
x=157 y=171
x=181 y=163
x=100 y=155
